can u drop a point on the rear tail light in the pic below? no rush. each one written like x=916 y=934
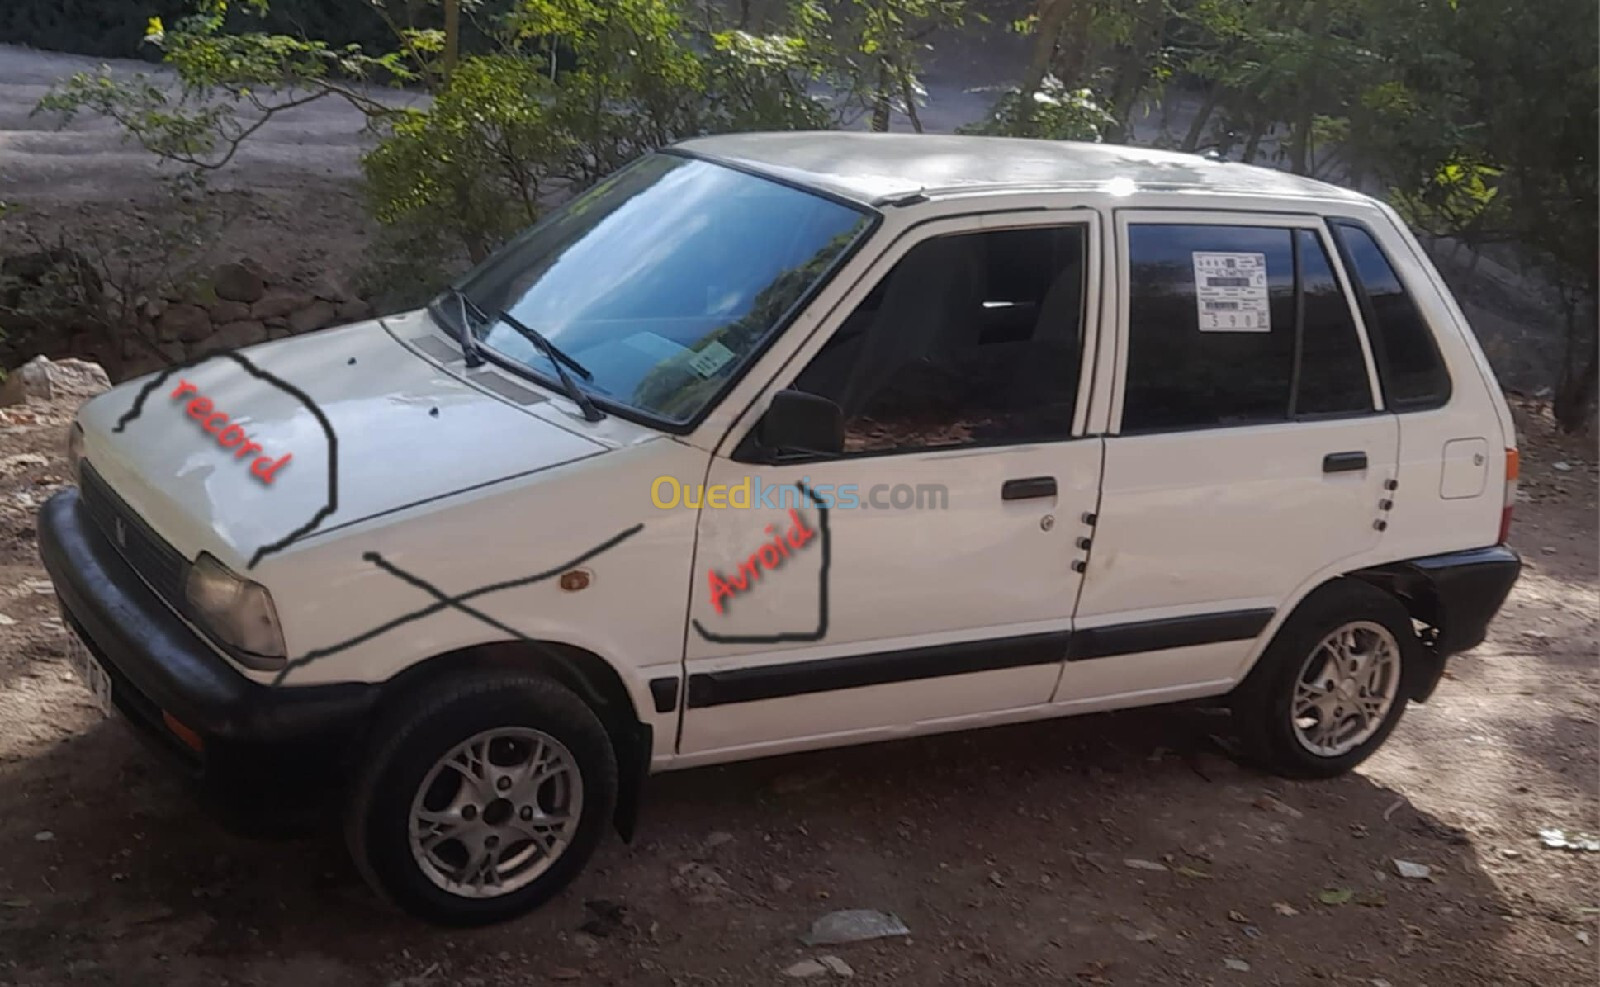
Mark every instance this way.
x=1513 y=469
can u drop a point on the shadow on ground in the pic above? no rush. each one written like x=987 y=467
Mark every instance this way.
x=1003 y=850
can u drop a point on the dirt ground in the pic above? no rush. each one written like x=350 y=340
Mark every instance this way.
x=1004 y=851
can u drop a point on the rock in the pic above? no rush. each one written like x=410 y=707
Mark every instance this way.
x=237 y=283
x=184 y=321
x=1233 y=964
x=717 y=839
x=805 y=969
x=141 y=364
x=1272 y=804
x=1138 y=864
x=48 y=380
x=853 y=925
x=314 y=316
x=701 y=883
x=354 y=311
x=236 y=335
x=21 y=461
x=780 y=883
x=278 y=330
x=605 y=917
x=43 y=836
x=260 y=270
x=1411 y=871
x=836 y=966
x=333 y=288
x=1562 y=467
x=278 y=303
x=224 y=310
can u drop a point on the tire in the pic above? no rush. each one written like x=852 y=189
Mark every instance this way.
x=465 y=739
x=1264 y=705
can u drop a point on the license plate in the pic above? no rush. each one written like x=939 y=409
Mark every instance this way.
x=89 y=672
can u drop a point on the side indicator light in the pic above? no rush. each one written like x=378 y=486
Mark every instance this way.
x=189 y=737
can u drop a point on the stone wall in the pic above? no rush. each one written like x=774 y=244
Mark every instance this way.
x=242 y=303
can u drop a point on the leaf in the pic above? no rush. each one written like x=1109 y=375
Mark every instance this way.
x=1336 y=896
x=1190 y=872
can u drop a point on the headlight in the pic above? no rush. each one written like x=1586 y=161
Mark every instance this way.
x=74 y=448
x=237 y=611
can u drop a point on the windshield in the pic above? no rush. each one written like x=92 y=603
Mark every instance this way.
x=662 y=281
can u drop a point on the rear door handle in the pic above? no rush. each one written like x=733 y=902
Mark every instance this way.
x=1033 y=486
x=1344 y=462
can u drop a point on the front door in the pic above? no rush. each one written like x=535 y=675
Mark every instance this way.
x=1249 y=455
x=928 y=572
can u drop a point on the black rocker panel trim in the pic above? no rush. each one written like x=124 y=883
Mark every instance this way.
x=744 y=685
x=1168 y=632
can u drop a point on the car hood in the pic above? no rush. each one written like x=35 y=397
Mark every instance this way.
x=370 y=426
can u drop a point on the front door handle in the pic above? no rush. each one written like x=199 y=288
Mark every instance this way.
x=1033 y=486
x=1344 y=462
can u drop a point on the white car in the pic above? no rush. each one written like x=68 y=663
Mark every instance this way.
x=775 y=442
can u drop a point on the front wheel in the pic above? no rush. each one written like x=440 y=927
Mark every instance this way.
x=1330 y=687
x=482 y=799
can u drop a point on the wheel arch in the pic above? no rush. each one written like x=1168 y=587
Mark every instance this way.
x=591 y=677
x=1415 y=592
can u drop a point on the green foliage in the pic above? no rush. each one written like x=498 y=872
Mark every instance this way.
x=1052 y=112
x=230 y=86
x=871 y=51
x=115 y=28
x=506 y=133
x=475 y=165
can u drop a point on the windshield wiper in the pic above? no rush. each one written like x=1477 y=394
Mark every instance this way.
x=469 y=340
x=561 y=361
x=471 y=349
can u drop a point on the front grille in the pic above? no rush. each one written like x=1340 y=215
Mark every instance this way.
x=156 y=562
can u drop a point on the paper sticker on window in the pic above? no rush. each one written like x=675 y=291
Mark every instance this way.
x=711 y=359
x=1231 y=292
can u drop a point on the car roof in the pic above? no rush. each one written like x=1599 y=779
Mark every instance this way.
x=879 y=168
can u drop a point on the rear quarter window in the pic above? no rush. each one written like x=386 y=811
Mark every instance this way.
x=1410 y=369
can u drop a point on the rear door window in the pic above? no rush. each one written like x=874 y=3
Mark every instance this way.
x=1409 y=366
x=1237 y=325
x=1332 y=370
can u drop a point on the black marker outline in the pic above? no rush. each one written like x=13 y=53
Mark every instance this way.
x=822 y=623
x=445 y=601
x=288 y=388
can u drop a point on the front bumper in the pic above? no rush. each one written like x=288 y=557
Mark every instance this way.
x=278 y=743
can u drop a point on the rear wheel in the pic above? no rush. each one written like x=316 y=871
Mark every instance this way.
x=482 y=799
x=1330 y=687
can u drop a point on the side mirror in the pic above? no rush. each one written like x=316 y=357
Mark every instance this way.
x=799 y=422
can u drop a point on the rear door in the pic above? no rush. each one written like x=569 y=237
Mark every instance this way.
x=1249 y=452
